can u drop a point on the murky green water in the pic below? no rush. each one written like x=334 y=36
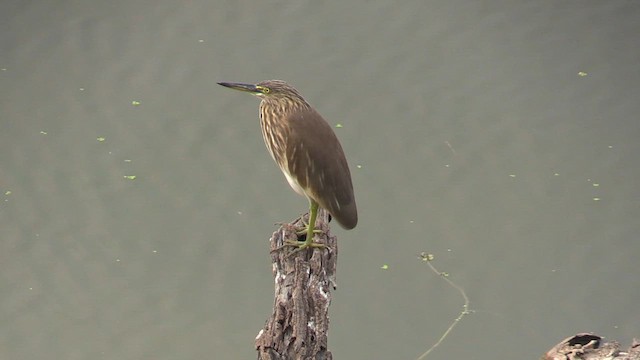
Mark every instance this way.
x=500 y=136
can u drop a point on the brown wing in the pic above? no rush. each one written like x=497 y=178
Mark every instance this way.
x=318 y=163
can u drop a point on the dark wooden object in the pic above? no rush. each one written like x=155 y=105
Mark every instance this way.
x=298 y=326
x=588 y=346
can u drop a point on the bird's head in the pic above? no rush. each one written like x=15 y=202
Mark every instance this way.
x=268 y=90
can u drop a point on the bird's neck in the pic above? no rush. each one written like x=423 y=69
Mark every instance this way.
x=281 y=107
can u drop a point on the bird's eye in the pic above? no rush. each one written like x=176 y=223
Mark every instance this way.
x=266 y=90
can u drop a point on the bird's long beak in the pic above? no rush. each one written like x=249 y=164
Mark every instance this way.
x=250 y=88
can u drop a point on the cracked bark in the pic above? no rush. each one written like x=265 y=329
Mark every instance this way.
x=299 y=323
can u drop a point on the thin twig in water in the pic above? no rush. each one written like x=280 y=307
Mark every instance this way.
x=465 y=308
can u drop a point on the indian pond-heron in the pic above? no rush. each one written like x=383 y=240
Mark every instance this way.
x=307 y=151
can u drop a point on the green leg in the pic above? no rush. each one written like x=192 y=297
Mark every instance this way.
x=309 y=230
x=313 y=213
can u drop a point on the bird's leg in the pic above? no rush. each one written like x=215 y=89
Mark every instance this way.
x=309 y=229
x=304 y=229
x=313 y=213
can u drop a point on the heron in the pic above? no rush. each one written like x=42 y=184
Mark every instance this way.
x=308 y=152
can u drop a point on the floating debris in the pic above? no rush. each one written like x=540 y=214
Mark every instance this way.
x=424 y=256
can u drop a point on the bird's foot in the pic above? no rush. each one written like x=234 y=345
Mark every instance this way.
x=302 y=245
x=300 y=229
x=305 y=230
x=307 y=243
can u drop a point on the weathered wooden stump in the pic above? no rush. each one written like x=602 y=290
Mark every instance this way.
x=589 y=346
x=298 y=326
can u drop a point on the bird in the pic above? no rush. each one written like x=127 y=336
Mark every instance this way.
x=308 y=152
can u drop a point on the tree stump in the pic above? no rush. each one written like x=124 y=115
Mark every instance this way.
x=299 y=323
x=589 y=346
